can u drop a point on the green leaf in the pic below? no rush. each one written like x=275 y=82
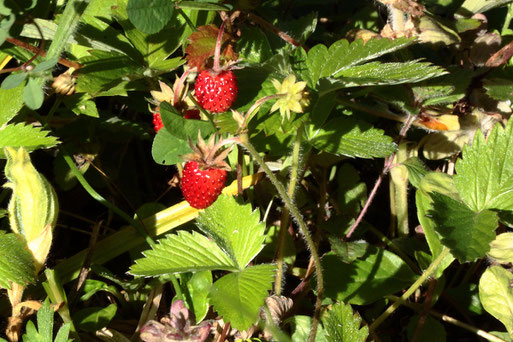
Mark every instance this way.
x=325 y=62
x=63 y=333
x=150 y=16
x=348 y=251
x=342 y=325
x=171 y=142
x=235 y=227
x=470 y=7
x=499 y=88
x=45 y=321
x=30 y=137
x=11 y=101
x=253 y=46
x=204 y=6
x=431 y=330
x=45 y=65
x=353 y=138
x=13 y=80
x=33 y=95
x=467 y=233
x=16 y=264
x=94 y=318
x=484 y=176
x=182 y=252
x=92 y=286
x=416 y=170
x=501 y=249
x=441 y=183
x=238 y=296
x=199 y=287
x=378 y=273
x=496 y=295
x=301 y=327
x=377 y=73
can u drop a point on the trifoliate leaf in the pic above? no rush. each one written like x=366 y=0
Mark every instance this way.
x=235 y=227
x=238 y=296
x=342 y=325
x=322 y=61
x=467 y=233
x=150 y=16
x=182 y=252
x=484 y=176
x=30 y=137
x=353 y=138
x=16 y=263
x=496 y=295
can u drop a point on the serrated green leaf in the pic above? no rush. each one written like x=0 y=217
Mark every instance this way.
x=235 y=227
x=11 y=101
x=498 y=88
x=45 y=321
x=325 y=62
x=353 y=138
x=496 y=295
x=376 y=73
x=16 y=264
x=378 y=273
x=467 y=233
x=13 y=80
x=342 y=325
x=182 y=252
x=441 y=183
x=238 y=296
x=150 y=16
x=416 y=170
x=484 y=176
x=33 y=95
x=63 y=333
x=30 y=137
x=94 y=318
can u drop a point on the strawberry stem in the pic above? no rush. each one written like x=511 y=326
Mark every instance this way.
x=217 y=51
x=252 y=110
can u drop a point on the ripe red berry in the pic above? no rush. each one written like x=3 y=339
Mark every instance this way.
x=157 y=122
x=202 y=187
x=216 y=92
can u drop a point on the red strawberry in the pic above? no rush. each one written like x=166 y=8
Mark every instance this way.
x=216 y=92
x=202 y=187
x=157 y=122
x=204 y=173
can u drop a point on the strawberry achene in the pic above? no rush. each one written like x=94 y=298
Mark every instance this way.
x=202 y=187
x=216 y=92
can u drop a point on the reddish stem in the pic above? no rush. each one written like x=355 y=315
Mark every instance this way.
x=217 y=52
x=178 y=87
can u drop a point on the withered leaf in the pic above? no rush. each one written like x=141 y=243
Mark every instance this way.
x=202 y=46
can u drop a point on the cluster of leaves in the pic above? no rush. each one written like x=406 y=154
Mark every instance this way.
x=421 y=84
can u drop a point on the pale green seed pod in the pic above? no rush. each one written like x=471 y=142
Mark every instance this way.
x=33 y=207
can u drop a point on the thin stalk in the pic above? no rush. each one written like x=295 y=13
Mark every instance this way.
x=448 y=319
x=302 y=226
x=68 y=22
x=507 y=21
x=217 y=51
x=208 y=115
x=285 y=213
x=431 y=269
x=389 y=162
x=186 y=18
x=177 y=287
x=87 y=187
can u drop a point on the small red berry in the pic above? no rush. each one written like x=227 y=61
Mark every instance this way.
x=202 y=187
x=157 y=122
x=216 y=92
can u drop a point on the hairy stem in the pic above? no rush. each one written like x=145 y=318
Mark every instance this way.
x=285 y=213
x=302 y=226
x=431 y=269
x=389 y=162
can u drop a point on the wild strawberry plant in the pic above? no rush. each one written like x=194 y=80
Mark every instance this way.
x=217 y=170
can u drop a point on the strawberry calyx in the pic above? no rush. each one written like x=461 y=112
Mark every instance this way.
x=208 y=155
